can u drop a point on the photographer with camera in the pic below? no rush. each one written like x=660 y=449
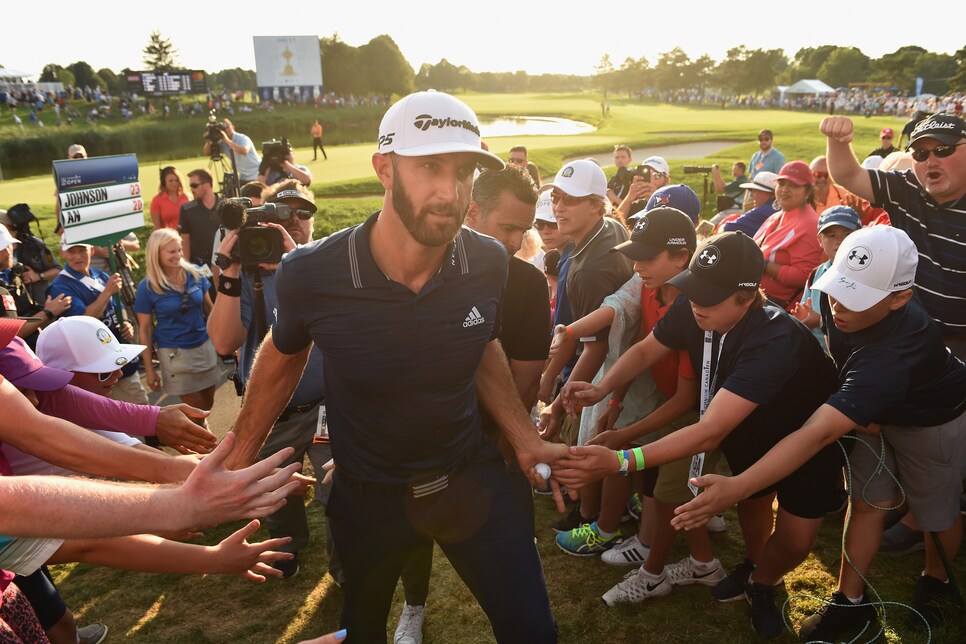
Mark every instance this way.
x=38 y=263
x=240 y=145
x=278 y=164
x=654 y=173
x=91 y=291
x=233 y=326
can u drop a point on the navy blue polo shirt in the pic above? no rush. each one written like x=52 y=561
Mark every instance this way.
x=400 y=367
x=896 y=372
x=769 y=358
x=939 y=232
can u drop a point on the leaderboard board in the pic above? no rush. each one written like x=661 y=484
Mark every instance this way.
x=100 y=198
x=168 y=83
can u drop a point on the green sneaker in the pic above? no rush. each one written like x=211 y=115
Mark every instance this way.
x=635 y=506
x=586 y=541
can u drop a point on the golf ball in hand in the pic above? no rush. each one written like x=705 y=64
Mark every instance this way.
x=543 y=470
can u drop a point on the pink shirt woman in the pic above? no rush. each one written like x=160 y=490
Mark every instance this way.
x=166 y=205
x=789 y=238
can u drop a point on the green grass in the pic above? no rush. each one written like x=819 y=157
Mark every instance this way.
x=170 y=608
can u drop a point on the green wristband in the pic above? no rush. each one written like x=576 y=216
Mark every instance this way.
x=638 y=459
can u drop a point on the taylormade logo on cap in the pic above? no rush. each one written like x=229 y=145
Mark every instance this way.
x=708 y=257
x=425 y=121
x=431 y=122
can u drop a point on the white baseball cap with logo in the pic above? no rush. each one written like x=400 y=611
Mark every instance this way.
x=545 y=208
x=658 y=164
x=82 y=343
x=579 y=178
x=869 y=265
x=431 y=122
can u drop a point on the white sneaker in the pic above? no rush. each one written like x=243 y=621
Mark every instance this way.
x=716 y=524
x=410 y=629
x=685 y=573
x=635 y=588
x=629 y=552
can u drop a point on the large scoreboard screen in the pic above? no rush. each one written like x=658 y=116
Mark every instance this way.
x=168 y=83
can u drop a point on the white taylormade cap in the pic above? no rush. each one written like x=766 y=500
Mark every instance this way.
x=871 y=263
x=82 y=343
x=545 y=208
x=433 y=122
x=578 y=179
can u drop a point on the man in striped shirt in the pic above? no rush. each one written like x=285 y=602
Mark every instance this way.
x=928 y=203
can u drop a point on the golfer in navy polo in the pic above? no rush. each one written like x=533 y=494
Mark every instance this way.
x=405 y=309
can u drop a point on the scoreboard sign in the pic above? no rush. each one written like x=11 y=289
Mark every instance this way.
x=100 y=198
x=167 y=83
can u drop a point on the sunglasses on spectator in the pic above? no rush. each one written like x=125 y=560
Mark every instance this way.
x=557 y=197
x=194 y=185
x=764 y=138
x=541 y=224
x=184 y=302
x=941 y=152
x=104 y=377
x=517 y=160
x=820 y=175
x=78 y=156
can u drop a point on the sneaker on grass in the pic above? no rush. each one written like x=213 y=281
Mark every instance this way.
x=836 y=617
x=732 y=587
x=586 y=541
x=410 y=628
x=716 y=524
x=629 y=552
x=636 y=587
x=933 y=597
x=93 y=633
x=766 y=618
x=635 y=506
x=685 y=573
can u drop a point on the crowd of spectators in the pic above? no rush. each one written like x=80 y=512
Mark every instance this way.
x=818 y=304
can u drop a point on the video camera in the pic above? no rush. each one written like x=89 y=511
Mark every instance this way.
x=213 y=130
x=274 y=152
x=697 y=169
x=256 y=244
x=33 y=252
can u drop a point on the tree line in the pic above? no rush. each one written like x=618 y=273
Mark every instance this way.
x=379 y=68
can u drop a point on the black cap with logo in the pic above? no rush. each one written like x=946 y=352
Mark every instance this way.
x=945 y=128
x=723 y=265
x=660 y=229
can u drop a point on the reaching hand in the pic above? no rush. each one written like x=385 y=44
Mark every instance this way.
x=235 y=556
x=613 y=439
x=608 y=419
x=585 y=465
x=551 y=418
x=176 y=429
x=213 y=494
x=577 y=395
x=57 y=305
x=719 y=494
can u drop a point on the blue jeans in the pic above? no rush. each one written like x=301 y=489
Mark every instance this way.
x=479 y=525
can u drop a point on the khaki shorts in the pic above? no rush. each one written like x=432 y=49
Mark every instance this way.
x=130 y=389
x=569 y=430
x=672 y=478
x=187 y=371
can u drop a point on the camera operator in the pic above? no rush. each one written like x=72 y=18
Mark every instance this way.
x=15 y=299
x=91 y=292
x=278 y=164
x=231 y=327
x=620 y=183
x=245 y=155
x=197 y=221
x=654 y=173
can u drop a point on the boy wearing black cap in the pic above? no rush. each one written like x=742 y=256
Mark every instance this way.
x=761 y=374
x=898 y=380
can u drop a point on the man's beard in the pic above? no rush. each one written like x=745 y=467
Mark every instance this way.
x=416 y=223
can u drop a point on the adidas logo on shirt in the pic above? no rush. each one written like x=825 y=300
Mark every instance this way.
x=473 y=319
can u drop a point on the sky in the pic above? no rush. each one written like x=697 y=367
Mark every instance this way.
x=494 y=35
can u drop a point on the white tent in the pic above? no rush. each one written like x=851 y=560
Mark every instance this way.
x=813 y=86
